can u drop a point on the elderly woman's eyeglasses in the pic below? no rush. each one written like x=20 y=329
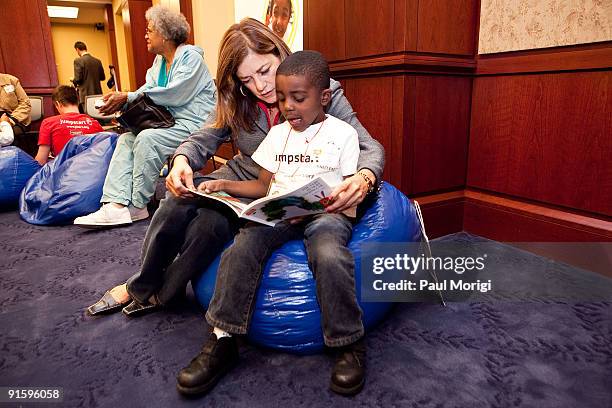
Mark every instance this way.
x=148 y=31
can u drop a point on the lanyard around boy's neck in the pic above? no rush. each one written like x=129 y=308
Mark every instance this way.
x=285 y=147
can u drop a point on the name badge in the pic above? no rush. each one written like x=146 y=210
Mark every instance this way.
x=9 y=88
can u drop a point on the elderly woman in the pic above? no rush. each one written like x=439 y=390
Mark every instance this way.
x=177 y=80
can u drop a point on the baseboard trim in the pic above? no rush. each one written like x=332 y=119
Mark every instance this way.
x=535 y=228
x=508 y=220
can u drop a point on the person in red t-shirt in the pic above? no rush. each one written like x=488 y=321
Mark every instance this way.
x=57 y=130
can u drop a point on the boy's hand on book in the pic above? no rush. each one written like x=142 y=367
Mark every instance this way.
x=348 y=194
x=211 y=186
x=180 y=178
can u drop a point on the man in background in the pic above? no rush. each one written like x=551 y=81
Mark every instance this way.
x=88 y=72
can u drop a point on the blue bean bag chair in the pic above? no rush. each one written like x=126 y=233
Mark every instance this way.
x=287 y=315
x=16 y=168
x=70 y=185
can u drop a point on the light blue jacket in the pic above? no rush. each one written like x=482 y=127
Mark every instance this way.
x=190 y=94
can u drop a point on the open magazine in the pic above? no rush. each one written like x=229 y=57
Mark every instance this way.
x=310 y=198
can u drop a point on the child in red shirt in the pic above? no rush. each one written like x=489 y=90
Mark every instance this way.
x=57 y=130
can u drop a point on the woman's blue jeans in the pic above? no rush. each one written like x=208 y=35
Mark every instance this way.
x=184 y=237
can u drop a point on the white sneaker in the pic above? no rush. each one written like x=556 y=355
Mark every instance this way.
x=138 y=214
x=107 y=216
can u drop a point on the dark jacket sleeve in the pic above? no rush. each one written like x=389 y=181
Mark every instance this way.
x=203 y=143
x=78 y=72
x=371 y=152
x=101 y=68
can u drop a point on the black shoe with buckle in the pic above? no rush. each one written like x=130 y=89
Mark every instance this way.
x=216 y=359
x=348 y=374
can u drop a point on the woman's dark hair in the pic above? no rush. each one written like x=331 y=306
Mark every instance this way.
x=233 y=109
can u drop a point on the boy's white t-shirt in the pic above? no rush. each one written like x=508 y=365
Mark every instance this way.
x=329 y=150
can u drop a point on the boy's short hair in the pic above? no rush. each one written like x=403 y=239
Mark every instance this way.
x=311 y=64
x=80 y=45
x=65 y=95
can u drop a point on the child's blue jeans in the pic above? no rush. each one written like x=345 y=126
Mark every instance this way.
x=240 y=271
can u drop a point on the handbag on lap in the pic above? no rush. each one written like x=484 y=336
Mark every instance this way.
x=142 y=113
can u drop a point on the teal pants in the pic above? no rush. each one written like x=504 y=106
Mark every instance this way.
x=136 y=163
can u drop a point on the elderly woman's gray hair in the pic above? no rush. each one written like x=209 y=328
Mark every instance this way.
x=169 y=24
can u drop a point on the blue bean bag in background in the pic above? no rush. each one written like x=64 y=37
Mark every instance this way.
x=287 y=315
x=16 y=168
x=70 y=185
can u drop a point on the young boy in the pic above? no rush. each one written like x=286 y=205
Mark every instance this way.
x=330 y=149
x=57 y=130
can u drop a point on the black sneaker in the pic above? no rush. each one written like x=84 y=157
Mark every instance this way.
x=206 y=369
x=348 y=374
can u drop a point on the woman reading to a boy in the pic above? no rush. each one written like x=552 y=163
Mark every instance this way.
x=332 y=149
x=186 y=234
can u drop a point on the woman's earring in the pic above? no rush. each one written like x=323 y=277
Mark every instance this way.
x=242 y=91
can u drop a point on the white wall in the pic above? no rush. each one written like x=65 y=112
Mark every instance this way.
x=211 y=18
x=65 y=35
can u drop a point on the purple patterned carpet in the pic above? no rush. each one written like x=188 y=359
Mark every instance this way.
x=535 y=353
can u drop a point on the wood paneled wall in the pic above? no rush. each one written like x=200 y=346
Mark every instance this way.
x=447 y=27
x=541 y=137
x=187 y=10
x=135 y=24
x=110 y=23
x=26 y=50
x=406 y=68
x=512 y=146
x=544 y=137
